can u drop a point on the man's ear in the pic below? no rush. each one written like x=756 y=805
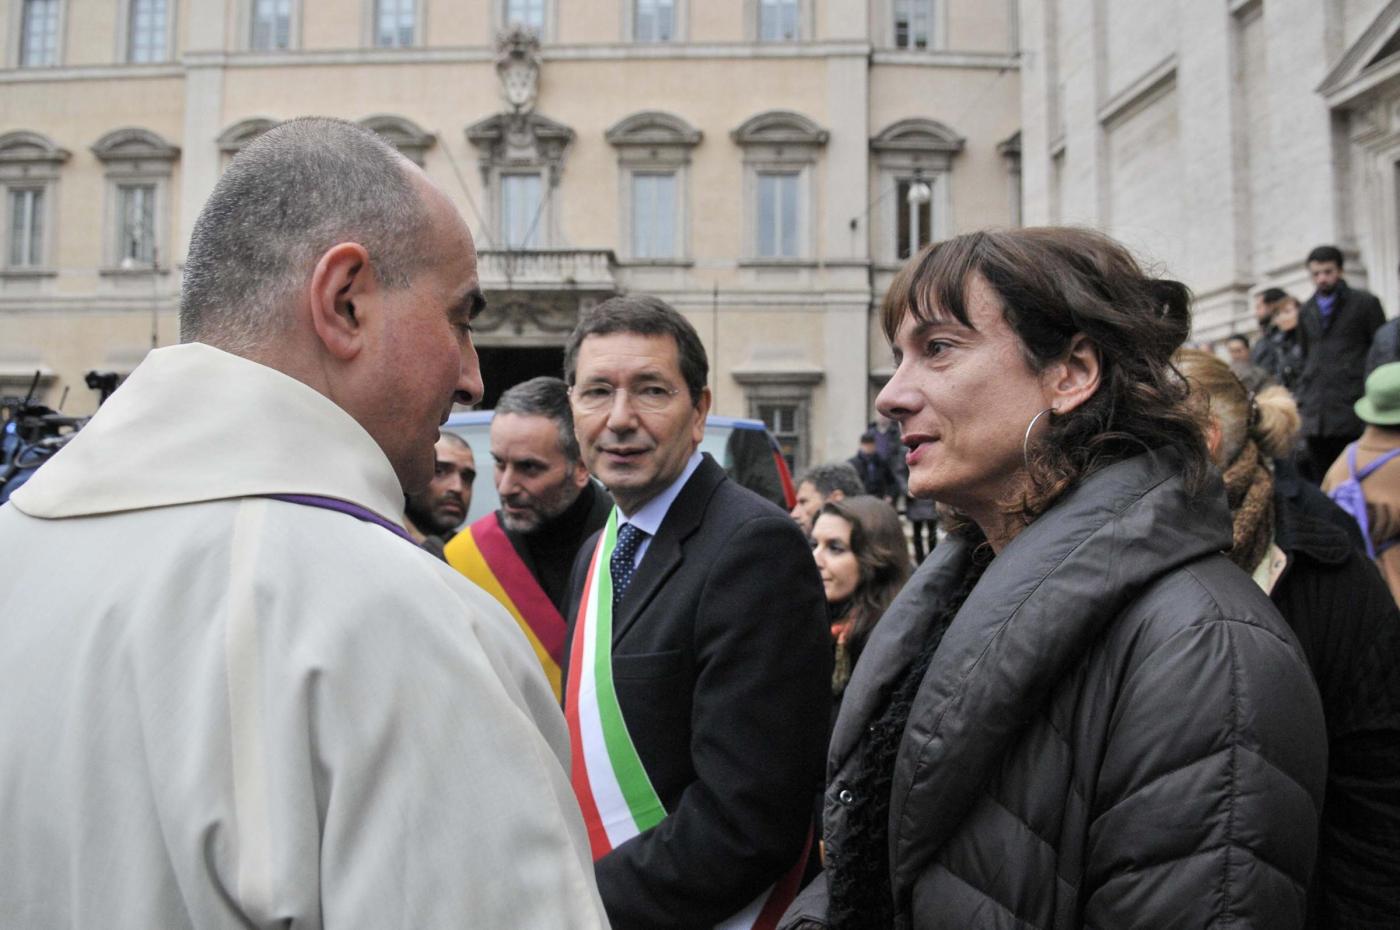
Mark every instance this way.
x=702 y=410
x=342 y=277
x=1074 y=379
x=580 y=476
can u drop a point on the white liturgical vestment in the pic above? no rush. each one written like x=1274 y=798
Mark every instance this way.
x=219 y=710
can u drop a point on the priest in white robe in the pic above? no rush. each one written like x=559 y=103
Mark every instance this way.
x=231 y=693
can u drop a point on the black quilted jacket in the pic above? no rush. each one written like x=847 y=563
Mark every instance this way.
x=1117 y=730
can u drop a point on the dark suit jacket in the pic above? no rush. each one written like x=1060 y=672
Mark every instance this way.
x=1334 y=361
x=722 y=666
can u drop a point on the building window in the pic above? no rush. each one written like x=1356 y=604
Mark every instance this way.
x=26 y=228
x=653 y=216
x=777 y=214
x=653 y=153
x=139 y=164
x=271 y=26
x=913 y=23
x=527 y=13
x=913 y=211
x=782 y=399
x=912 y=159
x=780 y=149
x=778 y=21
x=394 y=23
x=521 y=201
x=146 y=32
x=521 y=159
x=38 y=44
x=136 y=225
x=29 y=168
x=654 y=20
x=784 y=422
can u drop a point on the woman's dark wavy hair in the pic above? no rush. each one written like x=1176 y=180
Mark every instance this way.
x=882 y=553
x=1054 y=282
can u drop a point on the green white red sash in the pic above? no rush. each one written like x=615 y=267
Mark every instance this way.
x=613 y=788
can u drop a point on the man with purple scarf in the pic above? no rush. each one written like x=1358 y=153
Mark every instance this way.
x=236 y=694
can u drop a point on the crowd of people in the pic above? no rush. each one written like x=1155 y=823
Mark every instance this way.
x=1146 y=678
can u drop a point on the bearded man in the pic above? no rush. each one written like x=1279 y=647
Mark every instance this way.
x=434 y=513
x=522 y=553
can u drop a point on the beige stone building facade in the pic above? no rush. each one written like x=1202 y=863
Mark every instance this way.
x=1222 y=140
x=761 y=164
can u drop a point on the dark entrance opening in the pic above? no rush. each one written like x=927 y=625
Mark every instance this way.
x=503 y=368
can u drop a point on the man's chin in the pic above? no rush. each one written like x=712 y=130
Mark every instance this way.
x=526 y=524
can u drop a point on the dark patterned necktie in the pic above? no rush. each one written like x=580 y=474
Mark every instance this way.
x=622 y=565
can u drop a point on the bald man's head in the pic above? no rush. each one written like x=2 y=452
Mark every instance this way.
x=295 y=191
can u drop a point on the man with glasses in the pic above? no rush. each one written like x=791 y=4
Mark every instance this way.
x=434 y=513
x=697 y=690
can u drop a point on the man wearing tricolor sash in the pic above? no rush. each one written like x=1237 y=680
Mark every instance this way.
x=522 y=553
x=696 y=692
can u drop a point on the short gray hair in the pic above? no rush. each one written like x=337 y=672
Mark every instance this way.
x=833 y=476
x=544 y=397
x=296 y=191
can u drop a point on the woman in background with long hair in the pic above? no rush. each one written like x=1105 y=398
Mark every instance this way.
x=863 y=559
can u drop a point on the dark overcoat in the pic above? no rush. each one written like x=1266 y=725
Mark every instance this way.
x=1334 y=361
x=722 y=666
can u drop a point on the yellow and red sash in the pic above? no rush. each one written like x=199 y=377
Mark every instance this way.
x=484 y=554
x=613 y=789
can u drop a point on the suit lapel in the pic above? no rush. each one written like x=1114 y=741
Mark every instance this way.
x=666 y=552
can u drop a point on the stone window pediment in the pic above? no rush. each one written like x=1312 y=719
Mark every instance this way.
x=232 y=140
x=919 y=138
x=1373 y=57
x=133 y=153
x=653 y=138
x=133 y=145
x=31 y=150
x=520 y=140
x=780 y=128
x=653 y=127
x=403 y=134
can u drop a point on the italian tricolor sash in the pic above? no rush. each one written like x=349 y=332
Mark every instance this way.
x=484 y=554
x=613 y=789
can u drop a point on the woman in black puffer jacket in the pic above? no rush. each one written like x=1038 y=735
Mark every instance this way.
x=1078 y=713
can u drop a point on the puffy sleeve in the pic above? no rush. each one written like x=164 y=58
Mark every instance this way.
x=1208 y=795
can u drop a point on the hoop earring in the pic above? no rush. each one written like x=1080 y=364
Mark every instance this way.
x=1026 y=442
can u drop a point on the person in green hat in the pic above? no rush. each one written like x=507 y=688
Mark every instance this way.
x=1373 y=462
